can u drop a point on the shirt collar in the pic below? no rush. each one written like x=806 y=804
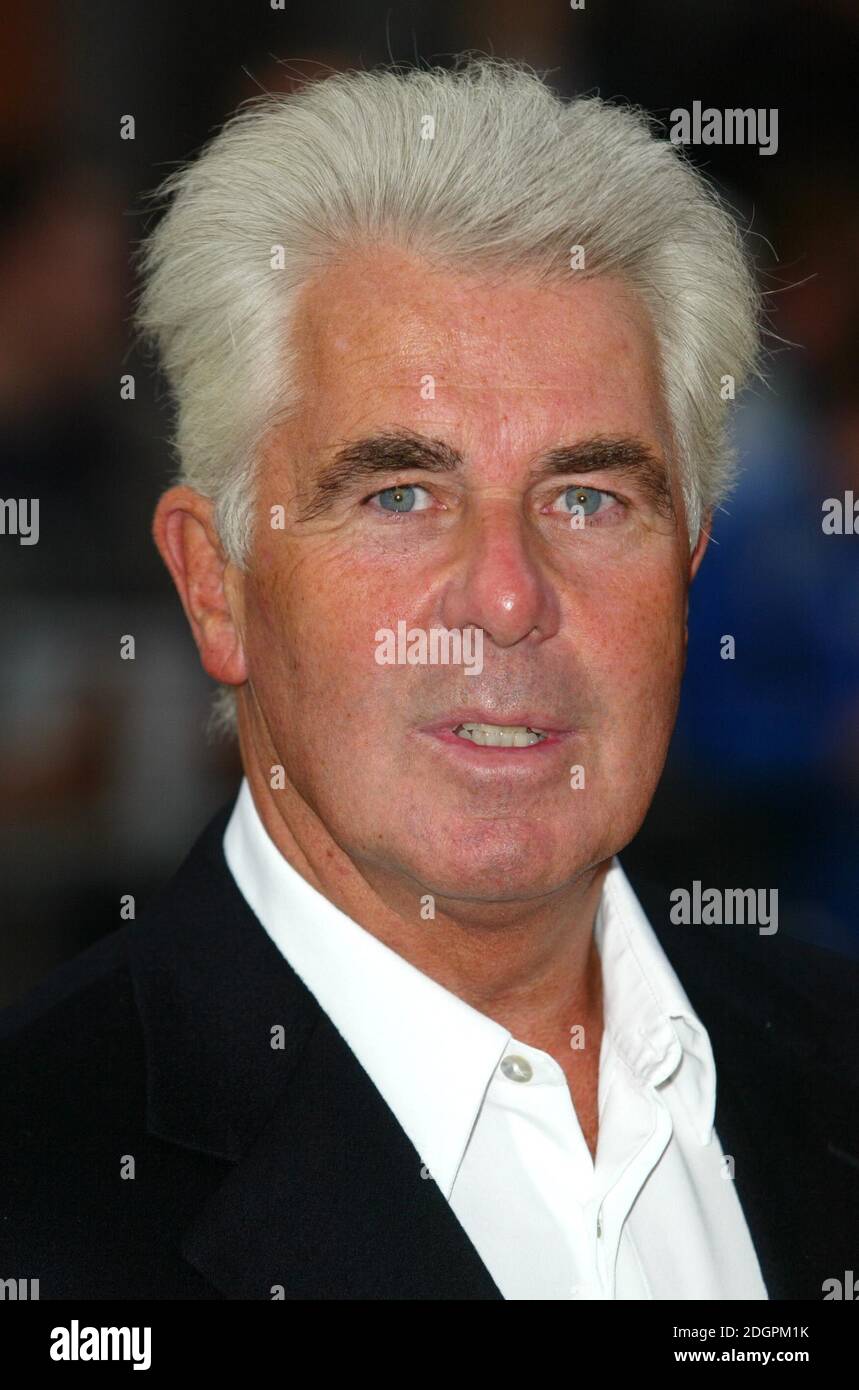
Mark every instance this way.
x=429 y=1053
x=652 y=1024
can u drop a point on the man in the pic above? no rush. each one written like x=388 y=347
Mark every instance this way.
x=449 y=358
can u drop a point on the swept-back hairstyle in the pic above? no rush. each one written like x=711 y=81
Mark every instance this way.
x=481 y=166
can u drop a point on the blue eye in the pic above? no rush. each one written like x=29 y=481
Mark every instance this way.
x=400 y=498
x=588 y=498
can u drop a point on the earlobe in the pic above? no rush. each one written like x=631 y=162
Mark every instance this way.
x=186 y=536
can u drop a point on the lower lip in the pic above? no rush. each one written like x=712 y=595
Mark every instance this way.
x=479 y=755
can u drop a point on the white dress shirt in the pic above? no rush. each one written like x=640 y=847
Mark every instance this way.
x=655 y=1217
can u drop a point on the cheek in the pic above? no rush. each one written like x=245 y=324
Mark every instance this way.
x=312 y=618
x=640 y=656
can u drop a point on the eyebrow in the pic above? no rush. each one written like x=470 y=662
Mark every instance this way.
x=401 y=450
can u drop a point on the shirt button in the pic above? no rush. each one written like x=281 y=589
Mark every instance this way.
x=517 y=1068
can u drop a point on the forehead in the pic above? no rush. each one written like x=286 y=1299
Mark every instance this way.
x=384 y=337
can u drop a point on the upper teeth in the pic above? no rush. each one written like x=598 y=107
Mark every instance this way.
x=500 y=735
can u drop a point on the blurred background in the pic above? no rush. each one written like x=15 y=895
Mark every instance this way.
x=107 y=774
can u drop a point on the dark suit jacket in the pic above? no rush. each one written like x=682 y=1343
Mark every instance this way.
x=257 y=1167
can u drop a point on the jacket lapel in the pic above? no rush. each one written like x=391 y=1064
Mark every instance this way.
x=330 y=1202
x=791 y=1129
x=324 y=1195
x=786 y=1099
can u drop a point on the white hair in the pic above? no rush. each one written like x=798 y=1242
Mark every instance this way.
x=478 y=167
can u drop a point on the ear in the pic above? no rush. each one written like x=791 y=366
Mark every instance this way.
x=696 y=557
x=701 y=545
x=209 y=586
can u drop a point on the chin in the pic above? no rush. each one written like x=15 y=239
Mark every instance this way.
x=497 y=869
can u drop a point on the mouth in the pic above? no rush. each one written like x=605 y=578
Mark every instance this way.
x=528 y=735
x=501 y=735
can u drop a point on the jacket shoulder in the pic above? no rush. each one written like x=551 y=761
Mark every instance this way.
x=90 y=1200
x=70 y=1054
x=798 y=996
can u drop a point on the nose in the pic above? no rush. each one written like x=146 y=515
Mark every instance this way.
x=498 y=582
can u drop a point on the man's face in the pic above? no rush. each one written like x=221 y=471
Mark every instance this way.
x=583 y=624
